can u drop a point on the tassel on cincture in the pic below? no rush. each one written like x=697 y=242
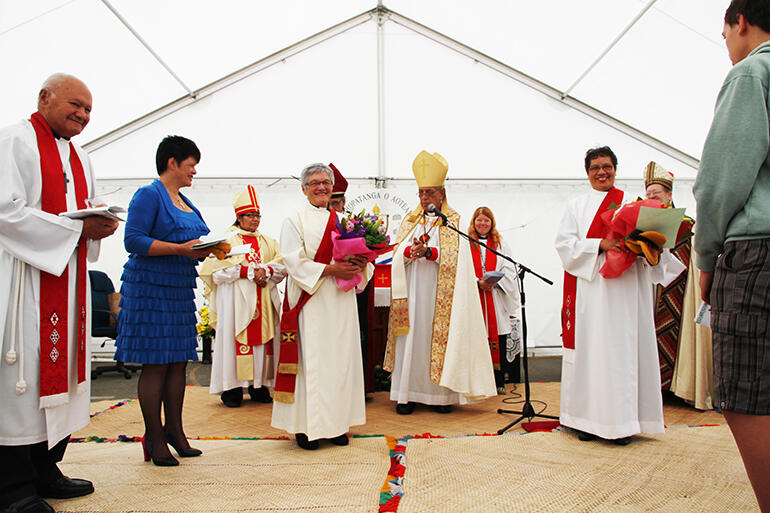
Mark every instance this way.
x=10 y=357
x=21 y=387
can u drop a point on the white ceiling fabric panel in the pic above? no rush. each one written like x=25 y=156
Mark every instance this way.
x=660 y=79
x=487 y=125
x=84 y=39
x=319 y=105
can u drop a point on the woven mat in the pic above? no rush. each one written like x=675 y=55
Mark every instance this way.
x=684 y=470
x=205 y=416
x=232 y=475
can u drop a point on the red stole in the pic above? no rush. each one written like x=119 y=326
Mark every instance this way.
x=613 y=196
x=254 y=329
x=487 y=301
x=54 y=290
x=288 y=360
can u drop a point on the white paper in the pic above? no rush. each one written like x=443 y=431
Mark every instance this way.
x=665 y=221
x=208 y=241
x=110 y=212
x=243 y=249
x=703 y=315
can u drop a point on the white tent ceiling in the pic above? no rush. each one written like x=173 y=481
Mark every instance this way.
x=453 y=78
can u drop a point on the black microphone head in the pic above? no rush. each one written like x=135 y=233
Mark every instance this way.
x=432 y=208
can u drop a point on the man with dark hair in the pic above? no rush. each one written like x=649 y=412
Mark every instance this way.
x=732 y=244
x=610 y=373
x=44 y=321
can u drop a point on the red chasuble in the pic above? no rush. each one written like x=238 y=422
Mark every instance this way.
x=487 y=300
x=612 y=200
x=54 y=290
x=288 y=360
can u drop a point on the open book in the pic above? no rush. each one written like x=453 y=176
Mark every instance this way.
x=110 y=212
x=492 y=276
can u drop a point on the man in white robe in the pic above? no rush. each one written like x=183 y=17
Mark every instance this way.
x=36 y=427
x=610 y=370
x=437 y=342
x=328 y=387
x=245 y=308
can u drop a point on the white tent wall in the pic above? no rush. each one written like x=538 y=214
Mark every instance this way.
x=511 y=93
x=527 y=214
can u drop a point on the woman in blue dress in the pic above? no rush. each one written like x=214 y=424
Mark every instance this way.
x=156 y=324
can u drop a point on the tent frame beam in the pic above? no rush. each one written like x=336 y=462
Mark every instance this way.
x=149 y=48
x=228 y=80
x=381 y=14
x=543 y=88
x=610 y=47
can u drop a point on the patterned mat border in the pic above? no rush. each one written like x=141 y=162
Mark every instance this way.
x=392 y=490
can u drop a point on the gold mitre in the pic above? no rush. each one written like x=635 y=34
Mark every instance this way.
x=654 y=173
x=430 y=170
x=246 y=201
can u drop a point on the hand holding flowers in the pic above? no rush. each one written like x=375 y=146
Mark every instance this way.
x=358 y=240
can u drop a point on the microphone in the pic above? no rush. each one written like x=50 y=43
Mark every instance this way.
x=432 y=209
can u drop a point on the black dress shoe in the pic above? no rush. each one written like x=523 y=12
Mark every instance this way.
x=444 y=408
x=232 y=398
x=32 y=504
x=586 y=437
x=306 y=444
x=405 y=409
x=622 y=441
x=184 y=452
x=66 y=488
x=260 y=395
x=340 y=440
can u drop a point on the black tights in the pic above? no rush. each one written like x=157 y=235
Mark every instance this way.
x=163 y=383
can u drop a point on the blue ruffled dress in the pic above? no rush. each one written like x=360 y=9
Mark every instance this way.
x=156 y=323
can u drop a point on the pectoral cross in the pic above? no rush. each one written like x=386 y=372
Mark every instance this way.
x=66 y=181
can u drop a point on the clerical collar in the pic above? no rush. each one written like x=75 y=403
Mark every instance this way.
x=55 y=135
x=484 y=237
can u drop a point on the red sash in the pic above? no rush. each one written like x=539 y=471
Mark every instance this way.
x=54 y=290
x=487 y=301
x=614 y=196
x=254 y=329
x=288 y=360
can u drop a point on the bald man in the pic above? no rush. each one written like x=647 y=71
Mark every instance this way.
x=44 y=376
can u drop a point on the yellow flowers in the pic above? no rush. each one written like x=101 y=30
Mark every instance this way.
x=204 y=330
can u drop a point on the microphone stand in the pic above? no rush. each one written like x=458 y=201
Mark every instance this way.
x=527 y=411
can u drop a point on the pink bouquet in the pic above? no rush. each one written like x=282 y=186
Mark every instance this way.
x=361 y=235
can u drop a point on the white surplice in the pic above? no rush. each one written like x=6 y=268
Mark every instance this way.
x=329 y=392
x=467 y=374
x=505 y=293
x=41 y=241
x=227 y=301
x=611 y=380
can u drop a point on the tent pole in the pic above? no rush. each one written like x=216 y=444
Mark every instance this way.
x=381 y=19
x=607 y=50
x=147 y=45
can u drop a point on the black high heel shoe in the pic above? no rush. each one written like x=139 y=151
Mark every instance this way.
x=166 y=461
x=184 y=452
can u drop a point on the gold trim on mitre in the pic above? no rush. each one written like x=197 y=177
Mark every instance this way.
x=246 y=201
x=654 y=173
x=430 y=170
